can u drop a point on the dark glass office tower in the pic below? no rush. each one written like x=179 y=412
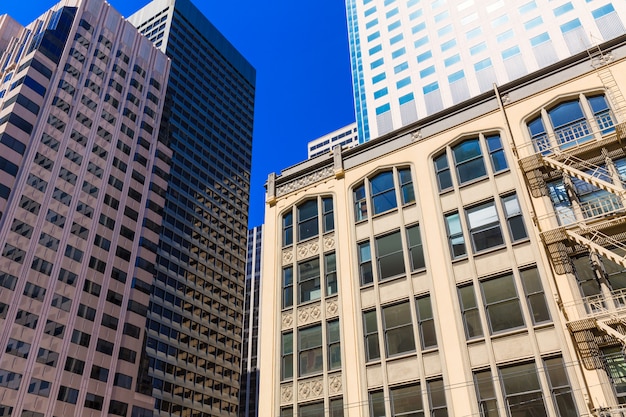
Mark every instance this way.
x=193 y=345
x=249 y=394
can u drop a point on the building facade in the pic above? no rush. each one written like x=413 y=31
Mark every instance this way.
x=411 y=59
x=192 y=360
x=81 y=100
x=346 y=137
x=468 y=264
x=249 y=394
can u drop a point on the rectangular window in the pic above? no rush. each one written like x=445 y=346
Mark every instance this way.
x=334 y=346
x=383 y=192
x=406 y=401
x=370 y=328
x=310 y=356
x=307 y=220
x=487 y=402
x=365 y=263
x=560 y=388
x=455 y=235
x=522 y=390
x=398 y=329
x=336 y=407
x=360 y=203
x=406 y=186
x=469 y=312
x=416 y=249
x=534 y=295
x=309 y=285
x=389 y=255
x=484 y=226
x=514 y=219
x=442 y=170
x=287 y=229
x=502 y=303
x=286 y=367
x=287 y=287
x=377 y=404
x=426 y=323
x=311 y=410
x=328 y=220
x=437 y=398
x=330 y=273
x=496 y=153
x=469 y=161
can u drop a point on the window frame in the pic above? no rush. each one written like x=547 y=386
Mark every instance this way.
x=286 y=356
x=299 y=225
x=382 y=259
x=489 y=305
x=595 y=122
x=396 y=183
x=402 y=327
x=472 y=311
x=314 y=292
x=470 y=160
x=366 y=273
x=426 y=322
x=484 y=228
x=333 y=342
x=370 y=335
x=317 y=349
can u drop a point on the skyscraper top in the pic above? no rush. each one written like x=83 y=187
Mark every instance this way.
x=149 y=15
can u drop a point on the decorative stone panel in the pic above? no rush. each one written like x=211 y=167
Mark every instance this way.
x=309 y=314
x=308 y=249
x=329 y=242
x=311 y=389
x=287 y=320
x=332 y=308
x=335 y=386
x=286 y=393
x=287 y=256
x=305 y=181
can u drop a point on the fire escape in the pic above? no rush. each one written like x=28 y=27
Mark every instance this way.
x=580 y=156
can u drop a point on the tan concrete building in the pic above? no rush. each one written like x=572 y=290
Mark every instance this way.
x=470 y=264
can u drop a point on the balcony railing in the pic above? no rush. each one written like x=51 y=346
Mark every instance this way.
x=574 y=133
x=597 y=306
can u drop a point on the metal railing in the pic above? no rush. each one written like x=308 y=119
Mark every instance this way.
x=597 y=306
x=572 y=134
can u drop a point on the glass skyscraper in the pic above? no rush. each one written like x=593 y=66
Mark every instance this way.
x=82 y=175
x=249 y=394
x=191 y=363
x=413 y=58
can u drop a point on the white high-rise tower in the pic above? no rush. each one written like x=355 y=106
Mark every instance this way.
x=412 y=58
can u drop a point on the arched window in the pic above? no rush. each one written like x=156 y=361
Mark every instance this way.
x=469 y=162
x=571 y=122
x=311 y=216
x=382 y=192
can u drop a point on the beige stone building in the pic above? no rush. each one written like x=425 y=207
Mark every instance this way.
x=470 y=264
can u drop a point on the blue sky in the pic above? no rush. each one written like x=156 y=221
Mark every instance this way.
x=300 y=52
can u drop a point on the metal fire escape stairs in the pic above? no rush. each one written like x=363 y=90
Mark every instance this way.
x=588 y=232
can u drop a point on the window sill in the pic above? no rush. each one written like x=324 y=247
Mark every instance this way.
x=391 y=279
x=509 y=332
x=400 y=356
x=490 y=250
x=308 y=303
x=544 y=325
x=520 y=242
x=473 y=181
x=504 y=171
x=384 y=213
